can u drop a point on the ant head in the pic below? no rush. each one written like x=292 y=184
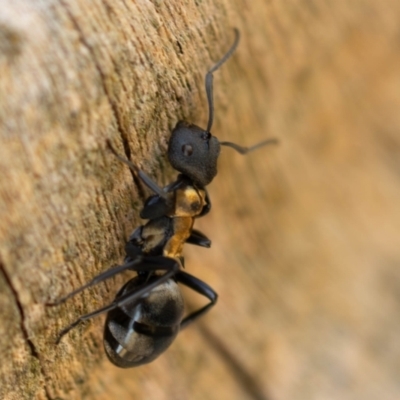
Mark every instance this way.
x=194 y=152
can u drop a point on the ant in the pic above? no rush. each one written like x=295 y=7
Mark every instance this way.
x=148 y=311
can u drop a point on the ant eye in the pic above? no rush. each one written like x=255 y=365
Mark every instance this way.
x=187 y=150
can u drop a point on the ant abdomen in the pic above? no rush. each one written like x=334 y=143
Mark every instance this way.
x=138 y=332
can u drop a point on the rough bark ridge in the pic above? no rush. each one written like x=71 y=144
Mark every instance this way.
x=308 y=278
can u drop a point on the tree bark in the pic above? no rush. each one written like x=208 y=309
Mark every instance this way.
x=305 y=253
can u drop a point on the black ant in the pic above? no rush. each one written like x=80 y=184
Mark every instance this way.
x=148 y=311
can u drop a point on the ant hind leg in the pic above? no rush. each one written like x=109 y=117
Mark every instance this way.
x=147 y=264
x=200 y=287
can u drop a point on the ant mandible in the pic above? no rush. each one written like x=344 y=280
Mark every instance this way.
x=148 y=311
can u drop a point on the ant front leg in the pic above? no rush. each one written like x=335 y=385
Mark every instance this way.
x=143 y=176
x=146 y=264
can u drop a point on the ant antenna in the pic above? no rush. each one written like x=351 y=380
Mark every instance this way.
x=209 y=91
x=245 y=150
x=209 y=80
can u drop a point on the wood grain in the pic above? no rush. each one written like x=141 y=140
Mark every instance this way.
x=305 y=253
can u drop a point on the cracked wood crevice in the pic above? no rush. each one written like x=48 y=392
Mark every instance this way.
x=31 y=346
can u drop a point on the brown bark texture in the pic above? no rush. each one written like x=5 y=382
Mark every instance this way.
x=306 y=249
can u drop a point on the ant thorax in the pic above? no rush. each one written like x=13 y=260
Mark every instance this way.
x=189 y=201
x=182 y=229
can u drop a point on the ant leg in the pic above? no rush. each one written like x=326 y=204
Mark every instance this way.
x=97 y=279
x=156 y=206
x=199 y=239
x=209 y=80
x=112 y=272
x=206 y=209
x=171 y=267
x=200 y=287
x=145 y=179
x=245 y=150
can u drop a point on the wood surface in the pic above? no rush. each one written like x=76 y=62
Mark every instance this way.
x=306 y=244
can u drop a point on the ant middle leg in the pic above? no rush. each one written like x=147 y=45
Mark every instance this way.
x=199 y=239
